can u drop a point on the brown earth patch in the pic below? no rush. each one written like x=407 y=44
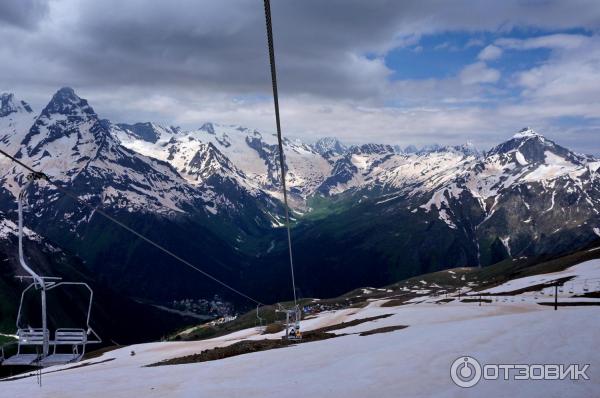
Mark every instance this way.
x=385 y=329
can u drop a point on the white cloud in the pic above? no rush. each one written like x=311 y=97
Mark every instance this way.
x=489 y=53
x=569 y=76
x=555 y=41
x=474 y=43
x=479 y=72
x=567 y=84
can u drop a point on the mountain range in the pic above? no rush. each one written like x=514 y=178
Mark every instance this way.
x=366 y=214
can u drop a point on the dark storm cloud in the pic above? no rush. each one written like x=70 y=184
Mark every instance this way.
x=321 y=45
x=22 y=13
x=220 y=45
x=183 y=61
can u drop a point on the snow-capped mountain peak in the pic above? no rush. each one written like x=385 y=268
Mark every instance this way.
x=510 y=173
x=372 y=149
x=66 y=102
x=526 y=132
x=410 y=149
x=16 y=117
x=8 y=105
x=67 y=130
x=70 y=143
x=329 y=145
x=468 y=149
x=209 y=161
x=429 y=149
x=208 y=127
x=529 y=147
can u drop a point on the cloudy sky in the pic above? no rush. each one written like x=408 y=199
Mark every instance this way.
x=400 y=72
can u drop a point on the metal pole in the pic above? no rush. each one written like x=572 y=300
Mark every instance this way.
x=287 y=324
x=36 y=278
x=44 y=322
x=556 y=296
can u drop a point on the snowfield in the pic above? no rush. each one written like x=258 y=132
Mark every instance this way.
x=412 y=362
x=586 y=274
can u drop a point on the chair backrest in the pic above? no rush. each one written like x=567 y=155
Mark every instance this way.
x=70 y=337
x=32 y=336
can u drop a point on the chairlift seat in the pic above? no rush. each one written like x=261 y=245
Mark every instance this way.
x=21 y=359
x=60 y=359
x=66 y=337
x=29 y=337
x=69 y=337
x=25 y=338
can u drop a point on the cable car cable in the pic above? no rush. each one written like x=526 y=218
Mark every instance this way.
x=279 y=139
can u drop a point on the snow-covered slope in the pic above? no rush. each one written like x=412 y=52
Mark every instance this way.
x=327 y=167
x=414 y=361
x=582 y=278
x=329 y=146
x=9 y=229
x=380 y=167
x=245 y=155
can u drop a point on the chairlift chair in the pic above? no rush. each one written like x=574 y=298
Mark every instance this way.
x=34 y=344
x=292 y=322
x=260 y=327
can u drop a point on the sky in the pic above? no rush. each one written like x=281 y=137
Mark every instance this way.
x=387 y=71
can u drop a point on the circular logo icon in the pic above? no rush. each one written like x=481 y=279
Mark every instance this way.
x=465 y=372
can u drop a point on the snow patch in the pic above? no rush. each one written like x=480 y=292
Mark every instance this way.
x=445 y=217
x=521 y=159
x=581 y=272
x=526 y=132
x=506 y=243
